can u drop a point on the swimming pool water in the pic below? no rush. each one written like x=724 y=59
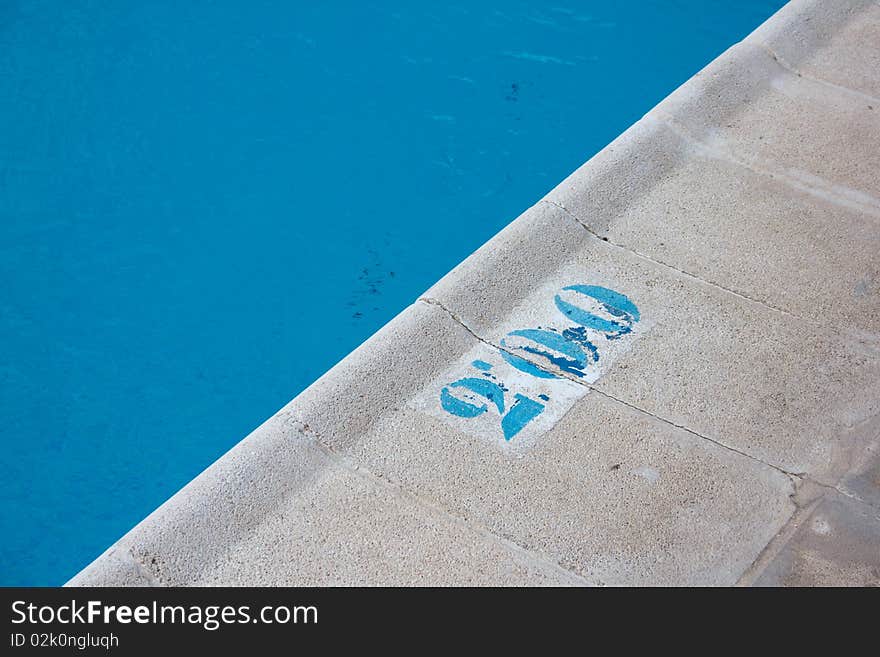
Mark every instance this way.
x=204 y=206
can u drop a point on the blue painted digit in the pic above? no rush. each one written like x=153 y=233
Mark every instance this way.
x=614 y=303
x=571 y=351
x=526 y=366
x=480 y=387
x=523 y=411
x=570 y=356
x=456 y=406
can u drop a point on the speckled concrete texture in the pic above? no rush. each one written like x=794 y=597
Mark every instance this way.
x=836 y=544
x=832 y=42
x=666 y=372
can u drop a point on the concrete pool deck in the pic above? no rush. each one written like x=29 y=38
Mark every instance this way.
x=666 y=372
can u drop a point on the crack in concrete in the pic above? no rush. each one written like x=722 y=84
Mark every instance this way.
x=785 y=64
x=865 y=339
x=356 y=467
x=795 y=477
x=836 y=489
x=660 y=263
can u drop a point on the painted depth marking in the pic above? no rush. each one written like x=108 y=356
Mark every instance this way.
x=593 y=316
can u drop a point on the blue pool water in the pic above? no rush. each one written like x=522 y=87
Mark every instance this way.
x=203 y=206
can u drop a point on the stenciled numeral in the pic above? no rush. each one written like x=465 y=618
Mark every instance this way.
x=596 y=313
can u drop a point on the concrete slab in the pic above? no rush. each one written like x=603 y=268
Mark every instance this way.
x=837 y=42
x=352 y=529
x=686 y=207
x=616 y=496
x=783 y=391
x=838 y=544
x=828 y=144
x=613 y=494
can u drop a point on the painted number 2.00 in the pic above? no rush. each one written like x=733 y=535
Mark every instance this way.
x=589 y=317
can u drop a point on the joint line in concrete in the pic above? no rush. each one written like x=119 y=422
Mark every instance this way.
x=666 y=265
x=357 y=468
x=794 y=476
x=825 y=83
